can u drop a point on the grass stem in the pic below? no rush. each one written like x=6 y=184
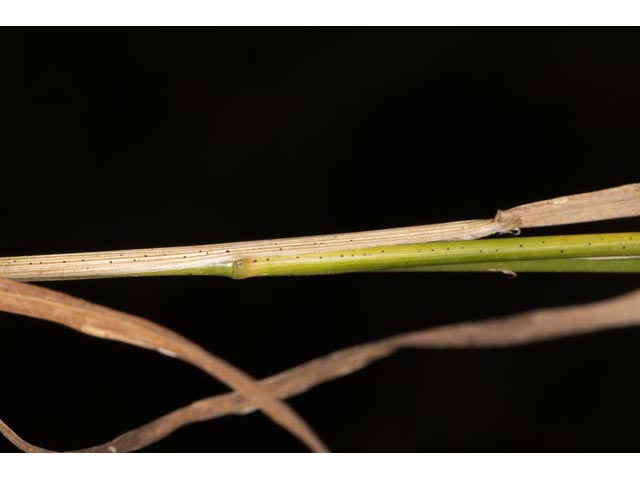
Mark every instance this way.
x=610 y=252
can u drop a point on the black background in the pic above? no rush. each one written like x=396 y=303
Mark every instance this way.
x=122 y=138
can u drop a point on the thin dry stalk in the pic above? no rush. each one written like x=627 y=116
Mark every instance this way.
x=513 y=330
x=102 y=322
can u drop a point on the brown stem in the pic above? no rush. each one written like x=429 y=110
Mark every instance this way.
x=512 y=330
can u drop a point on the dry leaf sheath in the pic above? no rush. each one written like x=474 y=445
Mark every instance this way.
x=320 y=254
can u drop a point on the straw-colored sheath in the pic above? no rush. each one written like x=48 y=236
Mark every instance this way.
x=245 y=259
